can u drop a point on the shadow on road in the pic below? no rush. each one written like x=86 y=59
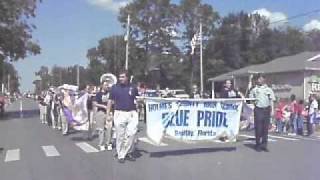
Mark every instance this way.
x=190 y=151
x=17 y=114
x=84 y=137
x=251 y=146
x=245 y=139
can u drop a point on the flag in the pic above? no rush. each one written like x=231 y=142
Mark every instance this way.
x=196 y=40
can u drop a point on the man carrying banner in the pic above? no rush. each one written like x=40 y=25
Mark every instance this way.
x=262 y=112
x=123 y=96
x=229 y=92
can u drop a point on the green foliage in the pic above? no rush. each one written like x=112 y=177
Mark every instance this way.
x=15 y=31
x=160 y=36
x=8 y=74
x=152 y=24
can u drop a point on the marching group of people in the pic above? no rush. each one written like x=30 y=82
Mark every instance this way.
x=111 y=108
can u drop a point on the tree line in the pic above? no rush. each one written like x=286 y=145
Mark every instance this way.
x=15 y=38
x=160 y=50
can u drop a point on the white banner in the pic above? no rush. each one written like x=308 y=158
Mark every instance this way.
x=192 y=119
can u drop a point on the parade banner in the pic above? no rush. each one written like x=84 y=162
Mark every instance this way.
x=193 y=119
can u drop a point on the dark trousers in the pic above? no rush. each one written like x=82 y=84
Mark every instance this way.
x=309 y=126
x=261 y=125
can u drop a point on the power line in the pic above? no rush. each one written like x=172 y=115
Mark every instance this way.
x=297 y=16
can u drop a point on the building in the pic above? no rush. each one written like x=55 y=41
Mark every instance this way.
x=298 y=74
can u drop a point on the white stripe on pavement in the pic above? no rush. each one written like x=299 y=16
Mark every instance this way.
x=87 y=147
x=253 y=141
x=248 y=136
x=146 y=140
x=12 y=155
x=50 y=151
x=285 y=138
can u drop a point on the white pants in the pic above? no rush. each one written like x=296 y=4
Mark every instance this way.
x=41 y=108
x=53 y=119
x=126 y=124
x=64 y=122
x=104 y=128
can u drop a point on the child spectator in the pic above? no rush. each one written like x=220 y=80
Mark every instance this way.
x=280 y=115
x=300 y=117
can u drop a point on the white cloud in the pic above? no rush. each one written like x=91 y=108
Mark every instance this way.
x=313 y=24
x=111 y=5
x=272 y=17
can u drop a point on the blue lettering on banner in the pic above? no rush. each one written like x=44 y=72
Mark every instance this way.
x=210 y=104
x=188 y=103
x=153 y=107
x=165 y=105
x=183 y=133
x=206 y=133
x=229 y=106
x=181 y=118
x=212 y=119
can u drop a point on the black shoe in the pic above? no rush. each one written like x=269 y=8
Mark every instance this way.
x=265 y=149
x=121 y=160
x=130 y=157
x=258 y=148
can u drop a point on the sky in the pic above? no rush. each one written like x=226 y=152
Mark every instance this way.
x=66 y=29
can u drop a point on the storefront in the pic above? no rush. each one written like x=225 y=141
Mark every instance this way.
x=286 y=75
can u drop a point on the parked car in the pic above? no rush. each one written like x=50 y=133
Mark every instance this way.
x=180 y=93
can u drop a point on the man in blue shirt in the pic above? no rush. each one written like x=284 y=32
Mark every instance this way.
x=123 y=97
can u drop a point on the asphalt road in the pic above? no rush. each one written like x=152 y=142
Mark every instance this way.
x=34 y=151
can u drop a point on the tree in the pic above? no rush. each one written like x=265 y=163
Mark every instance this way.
x=313 y=40
x=109 y=57
x=153 y=24
x=192 y=13
x=45 y=77
x=57 y=76
x=15 y=31
x=10 y=77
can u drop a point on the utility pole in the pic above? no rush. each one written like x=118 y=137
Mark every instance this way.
x=201 y=61
x=60 y=77
x=9 y=83
x=78 y=75
x=127 y=41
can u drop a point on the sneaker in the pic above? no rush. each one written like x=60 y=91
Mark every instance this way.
x=109 y=147
x=102 y=148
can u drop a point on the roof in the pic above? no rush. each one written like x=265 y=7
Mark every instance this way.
x=298 y=62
